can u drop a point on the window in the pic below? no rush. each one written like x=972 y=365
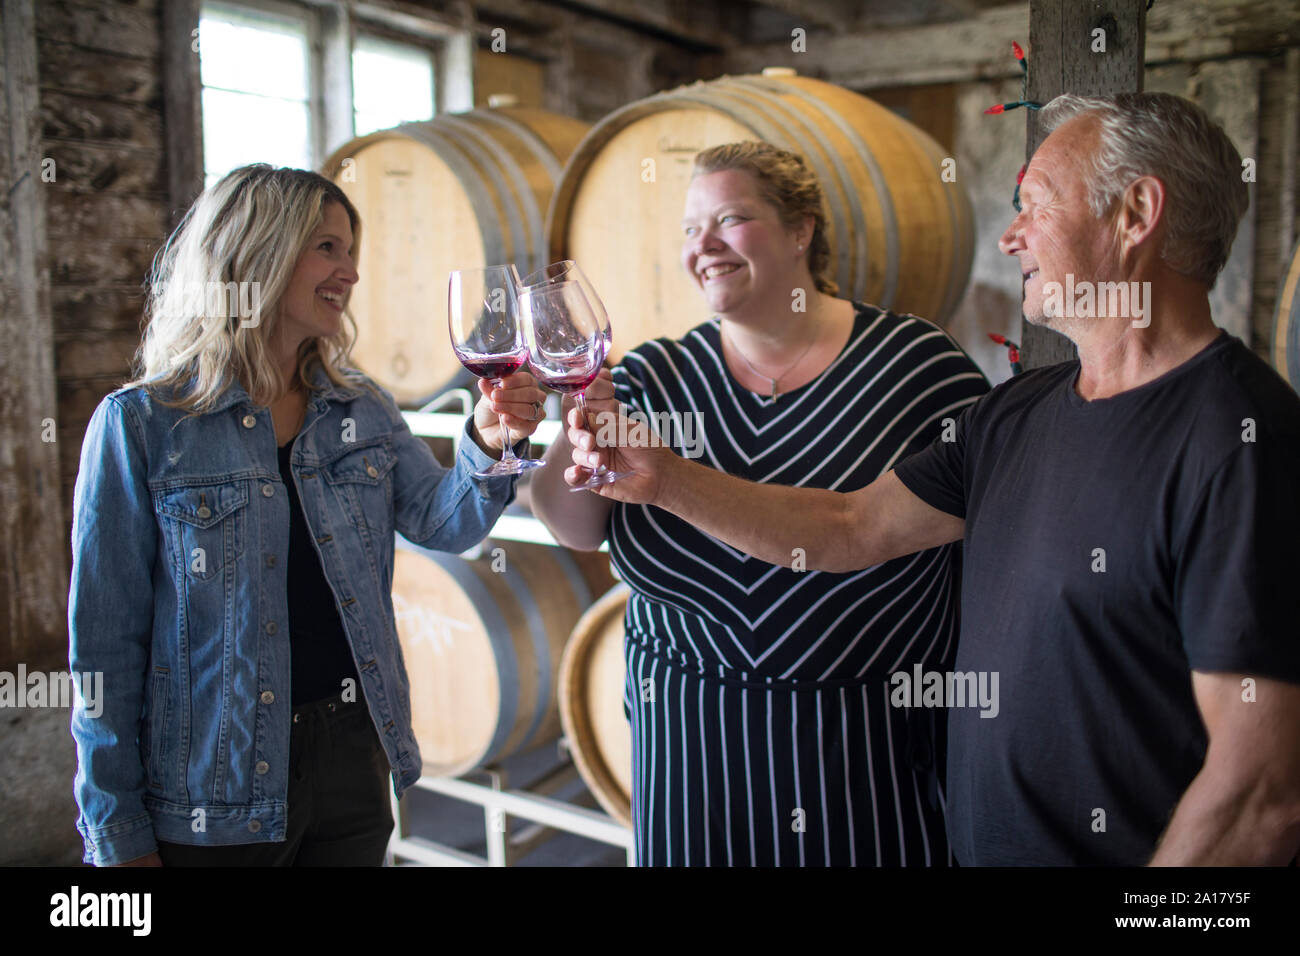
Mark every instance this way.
x=265 y=94
x=254 y=70
x=391 y=83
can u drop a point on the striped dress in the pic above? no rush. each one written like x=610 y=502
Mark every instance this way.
x=762 y=732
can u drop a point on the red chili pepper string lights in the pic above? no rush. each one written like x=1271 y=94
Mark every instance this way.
x=1013 y=351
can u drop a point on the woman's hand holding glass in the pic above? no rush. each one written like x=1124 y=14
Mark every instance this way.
x=604 y=436
x=517 y=402
x=488 y=338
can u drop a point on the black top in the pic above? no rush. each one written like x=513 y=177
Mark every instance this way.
x=319 y=654
x=1112 y=546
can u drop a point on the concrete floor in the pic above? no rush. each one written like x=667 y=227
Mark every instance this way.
x=38 y=763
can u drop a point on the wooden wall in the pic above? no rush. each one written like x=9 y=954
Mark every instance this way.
x=33 y=567
x=102 y=124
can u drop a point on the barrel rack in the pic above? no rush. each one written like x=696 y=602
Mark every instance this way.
x=489 y=787
x=505 y=844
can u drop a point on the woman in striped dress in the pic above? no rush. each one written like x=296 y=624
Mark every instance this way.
x=759 y=696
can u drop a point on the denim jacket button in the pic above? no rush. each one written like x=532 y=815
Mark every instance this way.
x=268 y=491
x=204 y=512
x=268 y=697
x=272 y=627
x=254 y=826
x=262 y=766
x=372 y=471
x=270 y=560
x=250 y=421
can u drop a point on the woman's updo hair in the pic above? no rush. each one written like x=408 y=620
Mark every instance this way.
x=787 y=184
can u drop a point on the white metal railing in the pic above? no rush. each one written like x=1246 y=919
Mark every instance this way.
x=504 y=843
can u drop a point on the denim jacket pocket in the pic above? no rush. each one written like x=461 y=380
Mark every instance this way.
x=361 y=478
x=155 y=729
x=207 y=526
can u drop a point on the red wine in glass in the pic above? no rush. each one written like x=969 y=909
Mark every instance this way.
x=566 y=346
x=495 y=366
x=569 y=384
x=488 y=337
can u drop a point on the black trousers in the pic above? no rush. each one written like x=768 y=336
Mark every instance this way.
x=339 y=797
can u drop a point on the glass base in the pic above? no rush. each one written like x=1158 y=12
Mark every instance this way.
x=605 y=477
x=516 y=466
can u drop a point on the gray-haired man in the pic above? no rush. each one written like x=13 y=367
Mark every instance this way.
x=1131 y=522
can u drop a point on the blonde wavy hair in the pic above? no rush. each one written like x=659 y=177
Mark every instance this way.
x=246 y=232
x=787 y=184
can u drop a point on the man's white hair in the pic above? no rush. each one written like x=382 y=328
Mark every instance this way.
x=1174 y=140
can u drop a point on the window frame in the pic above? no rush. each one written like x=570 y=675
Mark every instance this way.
x=331 y=28
x=310 y=20
x=433 y=47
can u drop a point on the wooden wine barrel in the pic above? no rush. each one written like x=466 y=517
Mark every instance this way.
x=592 y=674
x=462 y=190
x=1286 y=325
x=482 y=641
x=900 y=236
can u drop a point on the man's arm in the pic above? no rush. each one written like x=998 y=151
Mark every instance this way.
x=1243 y=808
x=835 y=531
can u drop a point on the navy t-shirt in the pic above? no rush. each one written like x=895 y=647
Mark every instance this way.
x=1112 y=547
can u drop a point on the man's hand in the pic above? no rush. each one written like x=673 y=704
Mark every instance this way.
x=518 y=402
x=595 y=441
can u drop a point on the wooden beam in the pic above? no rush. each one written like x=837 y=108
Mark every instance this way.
x=559 y=92
x=336 y=78
x=701 y=23
x=182 y=105
x=1290 y=150
x=33 y=549
x=1212 y=29
x=1062 y=60
x=410 y=18
x=890 y=13
x=828 y=14
x=696 y=23
x=976 y=48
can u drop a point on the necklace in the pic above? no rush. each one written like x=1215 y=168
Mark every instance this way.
x=806 y=350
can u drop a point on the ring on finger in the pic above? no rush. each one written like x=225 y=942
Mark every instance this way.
x=537 y=411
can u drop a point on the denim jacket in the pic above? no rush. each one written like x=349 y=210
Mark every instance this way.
x=180 y=542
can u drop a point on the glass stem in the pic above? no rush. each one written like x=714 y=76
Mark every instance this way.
x=586 y=418
x=507 y=453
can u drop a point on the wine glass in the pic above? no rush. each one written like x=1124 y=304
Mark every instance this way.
x=483 y=317
x=566 y=347
x=566 y=270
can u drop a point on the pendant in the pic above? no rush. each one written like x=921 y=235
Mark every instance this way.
x=774 y=390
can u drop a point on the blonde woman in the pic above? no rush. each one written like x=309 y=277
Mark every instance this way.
x=233 y=550
x=763 y=733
